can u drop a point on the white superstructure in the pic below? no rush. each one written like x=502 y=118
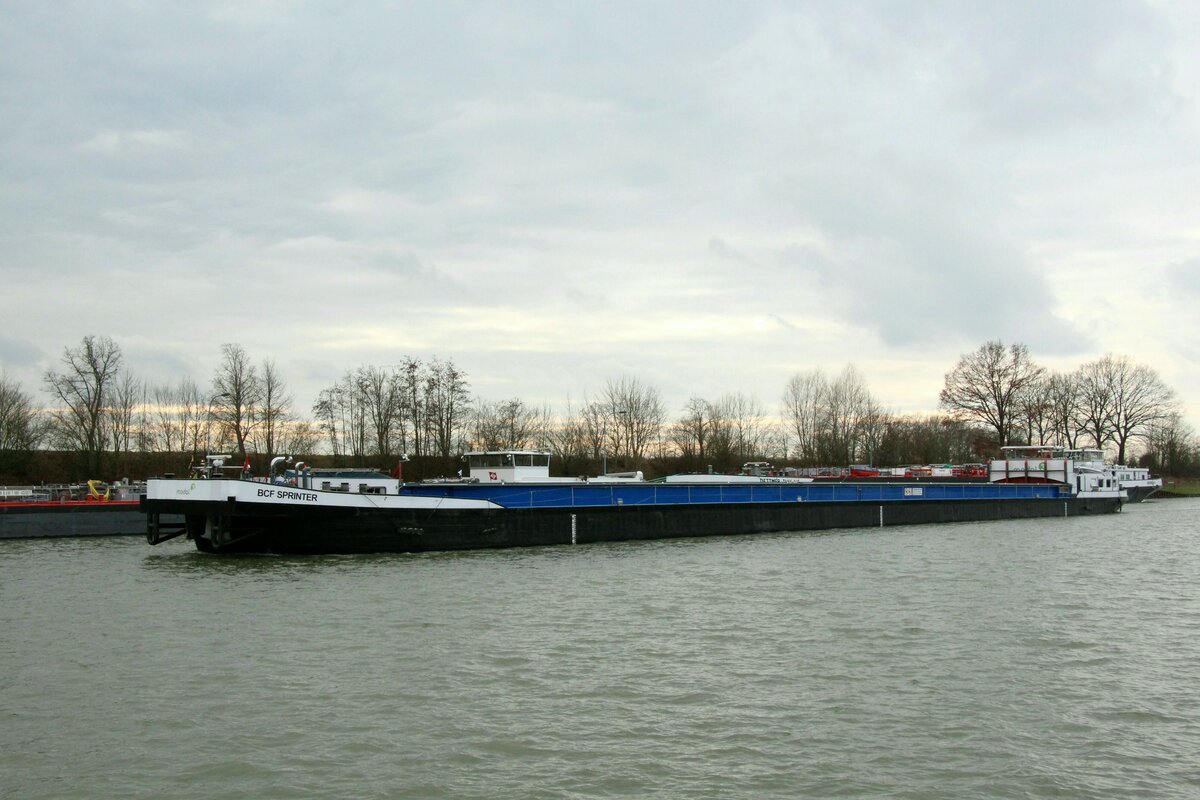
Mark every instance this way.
x=528 y=466
x=1039 y=460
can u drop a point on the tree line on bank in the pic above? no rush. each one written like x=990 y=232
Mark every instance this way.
x=102 y=420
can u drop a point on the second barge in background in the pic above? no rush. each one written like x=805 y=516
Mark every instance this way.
x=510 y=501
x=70 y=510
x=1137 y=482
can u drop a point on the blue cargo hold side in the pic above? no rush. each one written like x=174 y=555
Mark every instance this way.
x=571 y=496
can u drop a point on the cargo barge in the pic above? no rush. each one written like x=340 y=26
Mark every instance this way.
x=1138 y=482
x=39 y=520
x=92 y=509
x=509 y=500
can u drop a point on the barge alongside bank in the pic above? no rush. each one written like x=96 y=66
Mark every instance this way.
x=512 y=502
x=42 y=520
x=70 y=510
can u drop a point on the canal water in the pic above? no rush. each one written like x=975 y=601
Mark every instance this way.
x=1039 y=658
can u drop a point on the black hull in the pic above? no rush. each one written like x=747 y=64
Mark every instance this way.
x=54 y=521
x=1139 y=493
x=247 y=528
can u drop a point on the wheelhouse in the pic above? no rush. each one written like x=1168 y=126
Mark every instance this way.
x=508 y=466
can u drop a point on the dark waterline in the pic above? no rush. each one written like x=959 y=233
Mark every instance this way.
x=1043 y=658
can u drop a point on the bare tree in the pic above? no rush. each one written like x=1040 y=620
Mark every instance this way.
x=301 y=438
x=327 y=410
x=82 y=391
x=373 y=410
x=1123 y=400
x=448 y=402
x=412 y=382
x=568 y=440
x=144 y=438
x=846 y=404
x=179 y=419
x=720 y=446
x=167 y=429
x=636 y=415
x=833 y=421
x=276 y=407
x=505 y=425
x=1171 y=445
x=120 y=412
x=691 y=432
x=594 y=423
x=934 y=439
x=986 y=385
x=1143 y=400
x=1063 y=398
x=802 y=400
x=194 y=417
x=237 y=393
x=1035 y=410
x=1095 y=400
x=19 y=423
x=737 y=429
x=380 y=392
x=873 y=423
x=21 y=427
x=342 y=413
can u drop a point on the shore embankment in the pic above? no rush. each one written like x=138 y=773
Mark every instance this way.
x=1178 y=487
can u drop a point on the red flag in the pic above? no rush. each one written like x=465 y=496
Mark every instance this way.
x=246 y=466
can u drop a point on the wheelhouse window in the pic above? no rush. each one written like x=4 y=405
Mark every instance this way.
x=490 y=460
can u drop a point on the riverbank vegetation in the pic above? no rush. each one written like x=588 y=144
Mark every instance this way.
x=1181 y=487
x=99 y=420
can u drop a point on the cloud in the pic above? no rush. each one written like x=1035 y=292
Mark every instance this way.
x=1184 y=277
x=19 y=353
x=111 y=142
x=714 y=198
x=917 y=275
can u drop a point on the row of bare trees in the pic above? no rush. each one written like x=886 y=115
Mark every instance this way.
x=413 y=408
x=246 y=408
x=824 y=421
x=1109 y=401
x=833 y=420
x=995 y=395
x=101 y=412
x=731 y=428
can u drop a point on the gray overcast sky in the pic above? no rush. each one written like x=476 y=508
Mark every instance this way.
x=708 y=196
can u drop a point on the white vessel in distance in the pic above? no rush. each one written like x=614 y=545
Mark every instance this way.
x=1137 y=482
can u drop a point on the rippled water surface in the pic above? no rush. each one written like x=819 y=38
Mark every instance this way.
x=1047 y=658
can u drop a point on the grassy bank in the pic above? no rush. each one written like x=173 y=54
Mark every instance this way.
x=1180 y=487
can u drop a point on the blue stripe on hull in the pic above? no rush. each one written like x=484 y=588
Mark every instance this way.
x=584 y=495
